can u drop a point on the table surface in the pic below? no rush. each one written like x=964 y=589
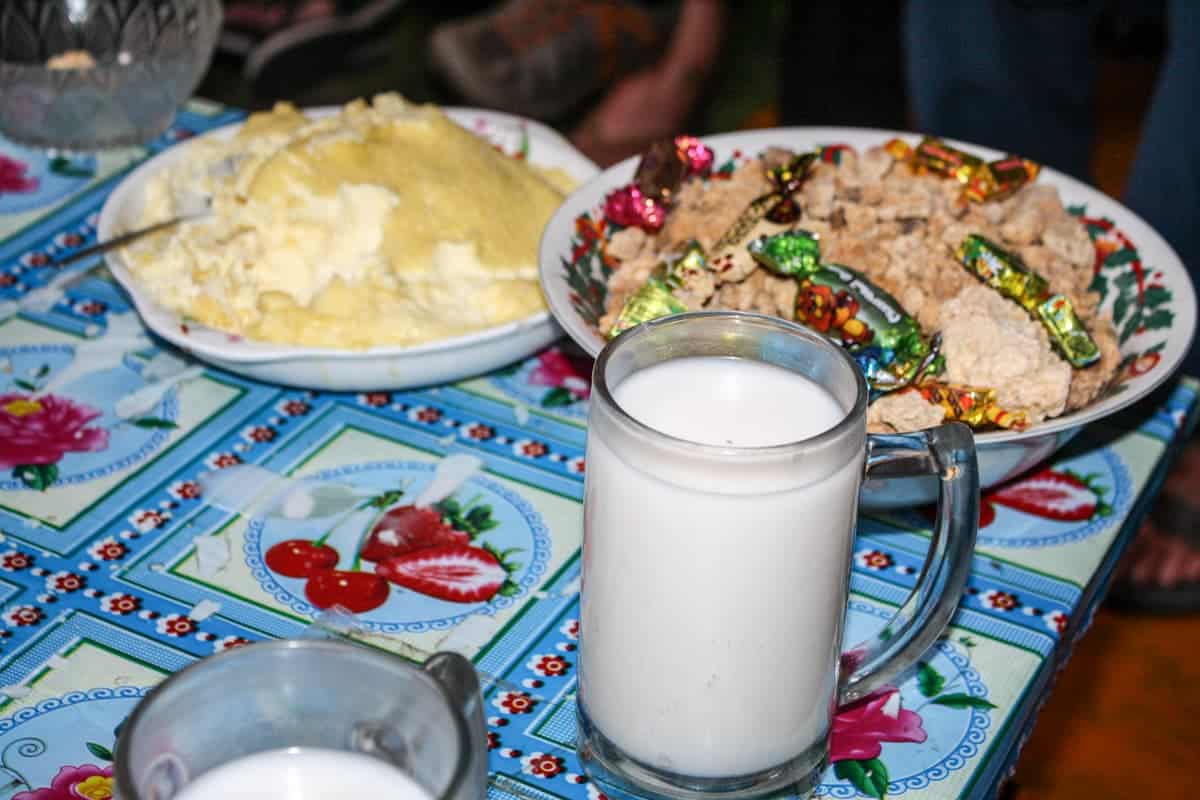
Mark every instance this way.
x=115 y=571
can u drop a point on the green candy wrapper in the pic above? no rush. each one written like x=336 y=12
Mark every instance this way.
x=1007 y=274
x=795 y=253
x=652 y=301
x=1068 y=331
x=843 y=305
x=1002 y=271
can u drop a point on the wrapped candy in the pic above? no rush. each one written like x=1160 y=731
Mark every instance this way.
x=999 y=179
x=974 y=406
x=1067 y=331
x=777 y=206
x=1007 y=274
x=629 y=207
x=652 y=301
x=934 y=155
x=660 y=172
x=1002 y=271
x=796 y=252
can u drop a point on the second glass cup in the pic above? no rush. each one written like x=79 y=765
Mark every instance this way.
x=724 y=458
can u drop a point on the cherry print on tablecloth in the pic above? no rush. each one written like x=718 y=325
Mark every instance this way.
x=397 y=566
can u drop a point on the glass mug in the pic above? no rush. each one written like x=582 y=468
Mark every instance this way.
x=715 y=576
x=322 y=694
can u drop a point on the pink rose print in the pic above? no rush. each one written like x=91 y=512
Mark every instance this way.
x=13 y=178
x=85 y=782
x=35 y=434
x=568 y=379
x=542 y=765
x=23 y=616
x=108 y=549
x=873 y=559
x=184 y=490
x=14 y=561
x=861 y=727
x=176 y=625
x=515 y=702
x=120 y=604
x=551 y=666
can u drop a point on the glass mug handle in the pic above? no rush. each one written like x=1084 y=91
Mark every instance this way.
x=948 y=452
x=458 y=678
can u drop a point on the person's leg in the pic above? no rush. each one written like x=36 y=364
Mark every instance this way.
x=543 y=58
x=1164 y=185
x=656 y=102
x=1016 y=75
x=1161 y=572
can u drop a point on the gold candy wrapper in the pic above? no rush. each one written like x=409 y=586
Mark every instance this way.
x=1068 y=332
x=975 y=407
x=1007 y=274
x=934 y=155
x=999 y=179
x=652 y=301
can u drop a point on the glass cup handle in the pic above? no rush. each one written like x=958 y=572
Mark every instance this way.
x=948 y=452
x=461 y=683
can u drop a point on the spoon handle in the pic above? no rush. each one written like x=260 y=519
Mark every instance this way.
x=119 y=241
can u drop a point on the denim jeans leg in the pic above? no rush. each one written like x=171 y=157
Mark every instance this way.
x=1010 y=74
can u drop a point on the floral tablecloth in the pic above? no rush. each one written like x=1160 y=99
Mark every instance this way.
x=116 y=569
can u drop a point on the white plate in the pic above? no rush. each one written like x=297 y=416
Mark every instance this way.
x=380 y=368
x=1158 y=310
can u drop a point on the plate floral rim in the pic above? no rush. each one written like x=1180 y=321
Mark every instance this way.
x=517 y=136
x=576 y=234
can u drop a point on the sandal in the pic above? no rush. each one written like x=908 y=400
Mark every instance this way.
x=1160 y=574
x=542 y=58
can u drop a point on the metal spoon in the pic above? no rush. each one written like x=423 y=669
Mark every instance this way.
x=122 y=240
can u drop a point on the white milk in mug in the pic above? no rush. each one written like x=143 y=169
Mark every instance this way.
x=713 y=598
x=304 y=773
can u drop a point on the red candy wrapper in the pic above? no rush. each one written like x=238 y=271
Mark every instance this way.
x=661 y=170
x=697 y=155
x=629 y=207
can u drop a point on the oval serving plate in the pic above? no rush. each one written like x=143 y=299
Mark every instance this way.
x=380 y=368
x=1142 y=281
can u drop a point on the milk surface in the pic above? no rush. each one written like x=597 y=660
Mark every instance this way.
x=304 y=774
x=711 y=614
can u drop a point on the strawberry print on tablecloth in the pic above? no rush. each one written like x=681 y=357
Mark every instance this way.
x=397 y=566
